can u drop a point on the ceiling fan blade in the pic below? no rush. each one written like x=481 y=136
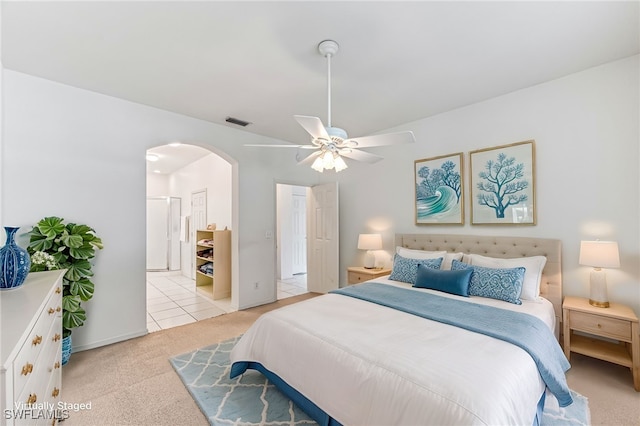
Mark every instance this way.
x=309 y=158
x=313 y=125
x=381 y=140
x=366 y=157
x=284 y=146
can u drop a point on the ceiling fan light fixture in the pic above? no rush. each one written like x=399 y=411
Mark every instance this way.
x=331 y=143
x=339 y=164
x=318 y=165
x=327 y=160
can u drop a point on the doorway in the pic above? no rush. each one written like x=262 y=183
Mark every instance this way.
x=179 y=173
x=321 y=236
x=163 y=234
x=291 y=240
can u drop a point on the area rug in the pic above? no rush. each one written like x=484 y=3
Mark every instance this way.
x=251 y=400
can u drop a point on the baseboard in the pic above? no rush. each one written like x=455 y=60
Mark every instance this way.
x=109 y=341
x=253 y=305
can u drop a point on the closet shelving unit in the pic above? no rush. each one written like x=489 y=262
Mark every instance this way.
x=213 y=262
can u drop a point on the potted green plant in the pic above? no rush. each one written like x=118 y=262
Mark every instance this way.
x=54 y=244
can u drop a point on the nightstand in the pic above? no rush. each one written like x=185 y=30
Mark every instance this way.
x=617 y=322
x=358 y=274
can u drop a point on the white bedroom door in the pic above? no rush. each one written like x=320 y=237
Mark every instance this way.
x=322 y=232
x=299 y=234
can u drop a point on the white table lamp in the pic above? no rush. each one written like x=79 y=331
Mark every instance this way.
x=370 y=242
x=599 y=254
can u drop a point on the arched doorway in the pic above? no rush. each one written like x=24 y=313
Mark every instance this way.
x=176 y=172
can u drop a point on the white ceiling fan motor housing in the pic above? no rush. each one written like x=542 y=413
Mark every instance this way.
x=328 y=47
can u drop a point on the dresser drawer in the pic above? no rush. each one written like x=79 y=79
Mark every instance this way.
x=36 y=352
x=355 y=277
x=601 y=326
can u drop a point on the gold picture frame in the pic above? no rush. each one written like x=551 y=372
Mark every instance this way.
x=439 y=190
x=502 y=181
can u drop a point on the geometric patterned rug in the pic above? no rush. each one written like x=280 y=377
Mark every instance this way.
x=251 y=400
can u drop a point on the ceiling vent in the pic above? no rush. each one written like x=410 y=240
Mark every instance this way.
x=237 y=121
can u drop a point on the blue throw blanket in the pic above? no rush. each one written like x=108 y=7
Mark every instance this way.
x=523 y=330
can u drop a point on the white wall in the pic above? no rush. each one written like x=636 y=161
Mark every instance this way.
x=157 y=185
x=587 y=148
x=81 y=155
x=212 y=173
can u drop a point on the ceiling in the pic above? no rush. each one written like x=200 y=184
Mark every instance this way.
x=258 y=61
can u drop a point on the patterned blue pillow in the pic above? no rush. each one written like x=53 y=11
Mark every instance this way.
x=406 y=270
x=501 y=284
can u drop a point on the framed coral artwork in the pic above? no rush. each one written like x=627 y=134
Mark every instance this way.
x=503 y=185
x=439 y=196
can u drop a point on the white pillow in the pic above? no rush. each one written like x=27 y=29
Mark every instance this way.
x=533 y=270
x=424 y=254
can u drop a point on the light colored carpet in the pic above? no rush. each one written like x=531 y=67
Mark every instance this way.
x=251 y=400
x=133 y=383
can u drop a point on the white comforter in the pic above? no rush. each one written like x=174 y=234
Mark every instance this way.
x=366 y=364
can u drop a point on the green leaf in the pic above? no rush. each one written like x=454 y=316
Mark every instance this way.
x=78 y=269
x=37 y=268
x=82 y=288
x=79 y=229
x=73 y=319
x=71 y=240
x=85 y=251
x=51 y=226
x=70 y=303
x=38 y=241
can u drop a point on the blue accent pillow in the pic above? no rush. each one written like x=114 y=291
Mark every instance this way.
x=454 y=282
x=501 y=284
x=405 y=269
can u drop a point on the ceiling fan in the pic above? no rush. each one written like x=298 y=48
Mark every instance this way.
x=329 y=143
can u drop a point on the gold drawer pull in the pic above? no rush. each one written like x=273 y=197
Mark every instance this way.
x=32 y=398
x=58 y=290
x=51 y=311
x=26 y=369
x=56 y=337
x=58 y=309
x=36 y=340
x=56 y=365
x=599 y=325
x=55 y=392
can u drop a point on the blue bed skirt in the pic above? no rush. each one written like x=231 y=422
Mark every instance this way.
x=312 y=410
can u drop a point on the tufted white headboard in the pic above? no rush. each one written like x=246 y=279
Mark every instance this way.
x=503 y=247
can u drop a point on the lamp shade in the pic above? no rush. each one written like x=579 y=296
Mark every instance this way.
x=599 y=254
x=370 y=242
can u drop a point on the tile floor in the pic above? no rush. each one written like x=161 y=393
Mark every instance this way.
x=173 y=299
x=292 y=286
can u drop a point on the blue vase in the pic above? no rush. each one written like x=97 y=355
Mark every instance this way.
x=66 y=349
x=14 y=262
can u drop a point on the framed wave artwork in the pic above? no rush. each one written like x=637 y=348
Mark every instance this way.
x=439 y=196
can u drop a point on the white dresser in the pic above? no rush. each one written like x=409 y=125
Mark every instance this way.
x=31 y=336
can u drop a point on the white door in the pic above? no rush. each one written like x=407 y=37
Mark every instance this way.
x=157 y=234
x=174 y=236
x=199 y=221
x=299 y=234
x=322 y=232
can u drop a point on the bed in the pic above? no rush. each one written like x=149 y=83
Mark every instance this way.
x=390 y=353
